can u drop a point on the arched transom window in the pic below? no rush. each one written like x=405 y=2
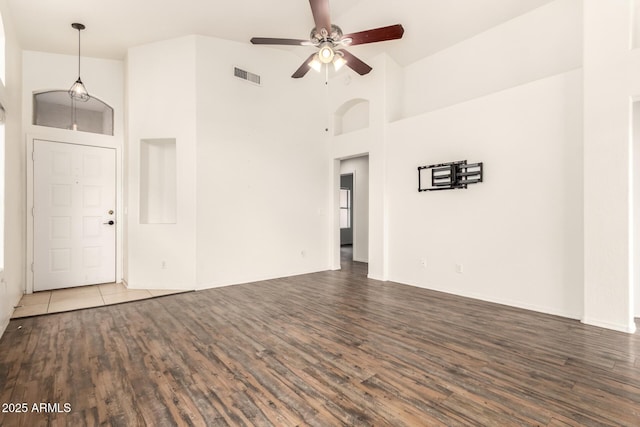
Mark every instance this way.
x=56 y=109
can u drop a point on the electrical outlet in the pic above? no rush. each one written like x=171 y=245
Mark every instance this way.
x=163 y=265
x=459 y=268
x=423 y=263
x=303 y=254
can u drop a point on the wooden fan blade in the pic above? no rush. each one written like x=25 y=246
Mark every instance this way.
x=304 y=68
x=356 y=64
x=382 y=34
x=320 y=10
x=269 y=40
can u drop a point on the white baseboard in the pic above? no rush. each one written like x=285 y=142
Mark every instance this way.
x=629 y=329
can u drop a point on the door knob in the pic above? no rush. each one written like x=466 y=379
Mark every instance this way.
x=111 y=222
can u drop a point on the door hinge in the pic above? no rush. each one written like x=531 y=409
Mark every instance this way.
x=32 y=270
x=33 y=211
x=33 y=155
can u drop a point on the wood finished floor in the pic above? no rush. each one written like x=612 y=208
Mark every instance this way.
x=325 y=349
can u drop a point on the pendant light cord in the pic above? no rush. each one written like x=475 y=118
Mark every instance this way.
x=78 y=52
x=78 y=27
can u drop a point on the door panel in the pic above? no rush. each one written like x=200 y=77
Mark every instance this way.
x=74 y=201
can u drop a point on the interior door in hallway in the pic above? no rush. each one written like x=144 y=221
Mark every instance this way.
x=74 y=199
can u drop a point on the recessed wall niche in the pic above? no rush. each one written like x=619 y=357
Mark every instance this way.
x=351 y=116
x=56 y=109
x=158 y=181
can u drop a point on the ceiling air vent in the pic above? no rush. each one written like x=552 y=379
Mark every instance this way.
x=245 y=75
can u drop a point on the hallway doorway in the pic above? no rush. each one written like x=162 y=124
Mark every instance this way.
x=354 y=209
x=348 y=265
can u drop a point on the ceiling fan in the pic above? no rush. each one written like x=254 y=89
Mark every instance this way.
x=331 y=42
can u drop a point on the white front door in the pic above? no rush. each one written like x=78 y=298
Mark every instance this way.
x=74 y=199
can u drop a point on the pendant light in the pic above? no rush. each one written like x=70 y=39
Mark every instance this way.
x=77 y=91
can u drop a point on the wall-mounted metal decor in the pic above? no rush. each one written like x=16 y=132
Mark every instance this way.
x=448 y=176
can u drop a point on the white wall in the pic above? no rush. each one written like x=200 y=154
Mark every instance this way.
x=161 y=81
x=262 y=180
x=518 y=234
x=612 y=80
x=541 y=43
x=252 y=175
x=12 y=279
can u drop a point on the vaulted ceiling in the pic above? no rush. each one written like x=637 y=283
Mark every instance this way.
x=115 y=25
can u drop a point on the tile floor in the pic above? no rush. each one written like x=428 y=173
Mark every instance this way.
x=81 y=297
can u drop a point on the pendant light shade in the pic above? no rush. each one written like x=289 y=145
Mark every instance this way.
x=315 y=63
x=77 y=91
x=326 y=53
x=323 y=57
x=339 y=61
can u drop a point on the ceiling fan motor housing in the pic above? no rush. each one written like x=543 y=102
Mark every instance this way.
x=322 y=35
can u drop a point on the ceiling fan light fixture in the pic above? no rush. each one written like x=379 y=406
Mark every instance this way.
x=77 y=90
x=339 y=62
x=329 y=39
x=315 y=63
x=326 y=53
